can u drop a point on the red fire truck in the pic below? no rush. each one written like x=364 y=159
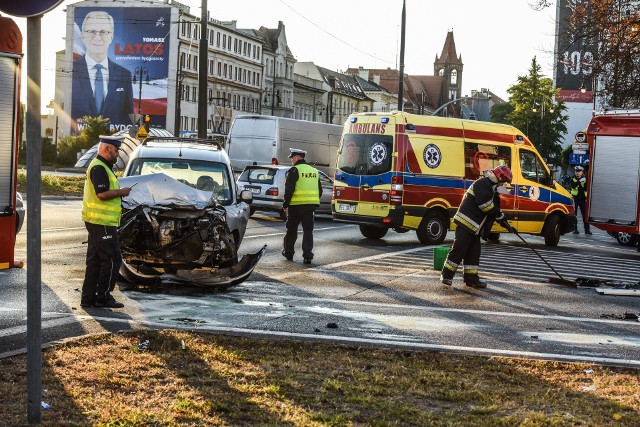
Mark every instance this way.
x=614 y=176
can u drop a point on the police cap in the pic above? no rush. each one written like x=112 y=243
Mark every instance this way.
x=296 y=152
x=579 y=168
x=113 y=140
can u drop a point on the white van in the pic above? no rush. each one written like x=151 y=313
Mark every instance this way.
x=265 y=140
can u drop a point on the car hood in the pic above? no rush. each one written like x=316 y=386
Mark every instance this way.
x=162 y=190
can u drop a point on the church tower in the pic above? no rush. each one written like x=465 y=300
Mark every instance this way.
x=449 y=67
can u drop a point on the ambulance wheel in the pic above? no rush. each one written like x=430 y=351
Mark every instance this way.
x=433 y=229
x=373 y=232
x=552 y=231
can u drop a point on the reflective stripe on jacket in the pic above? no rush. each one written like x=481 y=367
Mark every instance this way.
x=96 y=211
x=576 y=185
x=306 y=192
x=477 y=204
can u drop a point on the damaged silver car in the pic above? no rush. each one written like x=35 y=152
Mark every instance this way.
x=184 y=219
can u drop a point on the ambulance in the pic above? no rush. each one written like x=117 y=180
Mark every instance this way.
x=409 y=172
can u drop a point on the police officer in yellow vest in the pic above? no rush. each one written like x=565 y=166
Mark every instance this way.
x=101 y=209
x=579 y=193
x=302 y=191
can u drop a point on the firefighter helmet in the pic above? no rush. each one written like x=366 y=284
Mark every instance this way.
x=503 y=173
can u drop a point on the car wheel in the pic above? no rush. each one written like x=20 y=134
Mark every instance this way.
x=371 y=232
x=252 y=210
x=626 y=239
x=552 y=231
x=139 y=275
x=432 y=229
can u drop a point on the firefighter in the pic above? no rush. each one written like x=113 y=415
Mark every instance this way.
x=478 y=206
x=302 y=191
x=579 y=193
x=101 y=210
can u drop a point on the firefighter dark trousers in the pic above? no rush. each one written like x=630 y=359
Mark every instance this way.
x=465 y=249
x=103 y=262
x=581 y=205
x=300 y=214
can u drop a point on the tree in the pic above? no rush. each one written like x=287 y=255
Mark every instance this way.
x=536 y=112
x=69 y=146
x=499 y=112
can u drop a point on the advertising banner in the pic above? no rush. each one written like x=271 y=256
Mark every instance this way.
x=120 y=64
x=575 y=59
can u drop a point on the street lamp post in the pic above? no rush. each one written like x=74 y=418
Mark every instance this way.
x=139 y=74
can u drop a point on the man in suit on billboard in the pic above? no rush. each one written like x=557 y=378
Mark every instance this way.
x=100 y=87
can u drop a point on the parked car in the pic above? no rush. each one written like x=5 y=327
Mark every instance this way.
x=19 y=212
x=625 y=239
x=266 y=182
x=185 y=218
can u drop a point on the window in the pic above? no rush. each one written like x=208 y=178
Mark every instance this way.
x=225 y=71
x=218 y=39
x=195 y=62
x=454 y=77
x=182 y=59
x=533 y=169
x=224 y=40
x=211 y=66
x=366 y=154
x=186 y=93
x=195 y=94
x=479 y=158
x=219 y=68
x=258 y=50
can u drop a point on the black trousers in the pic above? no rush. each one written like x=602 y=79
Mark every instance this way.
x=103 y=262
x=465 y=248
x=300 y=214
x=581 y=205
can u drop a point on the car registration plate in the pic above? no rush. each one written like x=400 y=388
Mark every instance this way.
x=343 y=207
x=254 y=190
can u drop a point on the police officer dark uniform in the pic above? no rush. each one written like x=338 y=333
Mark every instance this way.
x=101 y=210
x=477 y=207
x=302 y=191
x=579 y=193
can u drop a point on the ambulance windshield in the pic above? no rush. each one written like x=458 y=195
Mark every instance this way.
x=366 y=154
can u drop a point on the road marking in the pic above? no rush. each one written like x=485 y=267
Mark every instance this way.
x=299 y=232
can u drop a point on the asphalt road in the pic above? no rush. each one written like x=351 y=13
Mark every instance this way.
x=379 y=293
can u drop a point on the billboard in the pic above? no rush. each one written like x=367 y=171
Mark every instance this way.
x=575 y=58
x=120 y=64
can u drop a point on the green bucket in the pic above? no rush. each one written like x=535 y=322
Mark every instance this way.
x=439 y=256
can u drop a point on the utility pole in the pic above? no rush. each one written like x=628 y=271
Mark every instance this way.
x=202 y=71
x=401 y=79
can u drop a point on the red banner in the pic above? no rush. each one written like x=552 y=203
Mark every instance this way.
x=575 y=96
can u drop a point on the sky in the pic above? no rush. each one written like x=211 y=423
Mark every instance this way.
x=496 y=38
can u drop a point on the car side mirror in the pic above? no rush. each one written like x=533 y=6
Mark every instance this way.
x=246 y=196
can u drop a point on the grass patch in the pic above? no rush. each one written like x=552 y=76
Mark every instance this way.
x=218 y=380
x=54 y=185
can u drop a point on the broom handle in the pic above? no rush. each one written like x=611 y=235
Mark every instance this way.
x=540 y=256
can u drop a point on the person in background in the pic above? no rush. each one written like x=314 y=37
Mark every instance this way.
x=101 y=211
x=477 y=207
x=579 y=193
x=302 y=191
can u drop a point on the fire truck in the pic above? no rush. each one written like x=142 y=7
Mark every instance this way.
x=614 y=171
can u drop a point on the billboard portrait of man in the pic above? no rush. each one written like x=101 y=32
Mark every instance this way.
x=100 y=87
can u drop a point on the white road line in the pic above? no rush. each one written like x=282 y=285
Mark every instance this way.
x=299 y=232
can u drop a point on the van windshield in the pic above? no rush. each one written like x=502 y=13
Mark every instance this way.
x=366 y=154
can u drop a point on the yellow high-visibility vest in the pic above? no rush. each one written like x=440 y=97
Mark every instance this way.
x=96 y=211
x=306 y=191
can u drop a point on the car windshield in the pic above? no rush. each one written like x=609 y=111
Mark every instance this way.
x=212 y=177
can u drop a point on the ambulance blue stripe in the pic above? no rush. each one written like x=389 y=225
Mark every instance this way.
x=385 y=178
